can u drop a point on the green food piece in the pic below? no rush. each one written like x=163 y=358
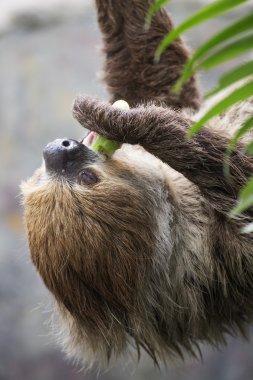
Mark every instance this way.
x=104 y=145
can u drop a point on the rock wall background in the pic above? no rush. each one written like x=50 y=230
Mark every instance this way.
x=48 y=54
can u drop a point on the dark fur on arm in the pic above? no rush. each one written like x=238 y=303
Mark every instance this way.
x=130 y=71
x=163 y=132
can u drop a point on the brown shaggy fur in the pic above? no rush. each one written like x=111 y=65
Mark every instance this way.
x=130 y=72
x=147 y=255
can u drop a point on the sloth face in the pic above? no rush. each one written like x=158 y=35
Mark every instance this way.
x=93 y=231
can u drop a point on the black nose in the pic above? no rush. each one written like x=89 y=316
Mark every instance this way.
x=60 y=152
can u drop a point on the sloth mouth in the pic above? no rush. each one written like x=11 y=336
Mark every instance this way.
x=89 y=139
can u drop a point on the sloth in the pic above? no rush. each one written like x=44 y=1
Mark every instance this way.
x=138 y=249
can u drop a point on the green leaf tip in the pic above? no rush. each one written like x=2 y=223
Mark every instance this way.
x=102 y=144
x=238 y=95
x=153 y=9
x=245 y=199
x=207 y=12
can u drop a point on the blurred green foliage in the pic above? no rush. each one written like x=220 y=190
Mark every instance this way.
x=228 y=44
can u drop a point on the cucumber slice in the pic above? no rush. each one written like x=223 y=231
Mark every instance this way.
x=104 y=145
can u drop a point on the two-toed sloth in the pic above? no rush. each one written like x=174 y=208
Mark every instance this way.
x=138 y=249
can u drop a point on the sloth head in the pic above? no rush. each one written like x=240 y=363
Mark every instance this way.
x=95 y=226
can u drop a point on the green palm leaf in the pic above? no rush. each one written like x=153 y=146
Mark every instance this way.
x=239 y=133
x=249 y=148
x=205 y=13
x=233 y=76
x=244 y=129
x=228 y=52
x=153 y=9
x=236 y=96
x=211 y=54
x=246 y=198
x=231 y=31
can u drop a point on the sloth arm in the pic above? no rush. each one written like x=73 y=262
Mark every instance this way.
x=129 y=71
x=163 y=133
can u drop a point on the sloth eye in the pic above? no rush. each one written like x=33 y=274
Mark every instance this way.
x=87 y=177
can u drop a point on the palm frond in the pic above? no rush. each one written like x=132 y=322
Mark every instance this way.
x=209 y=11
x=229 y=43
x=233 y=76
x=249 y=148
x=245 y=198
x=228 y=52
x=245 y=128
x=236 y=96
x=153 y=9
x=240 y=26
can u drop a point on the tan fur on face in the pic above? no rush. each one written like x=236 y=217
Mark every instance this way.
x=148 y=255
x=94 y=246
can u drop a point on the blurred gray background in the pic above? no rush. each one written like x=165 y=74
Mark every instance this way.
x=49 y=52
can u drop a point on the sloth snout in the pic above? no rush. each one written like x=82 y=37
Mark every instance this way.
x=58 y=153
